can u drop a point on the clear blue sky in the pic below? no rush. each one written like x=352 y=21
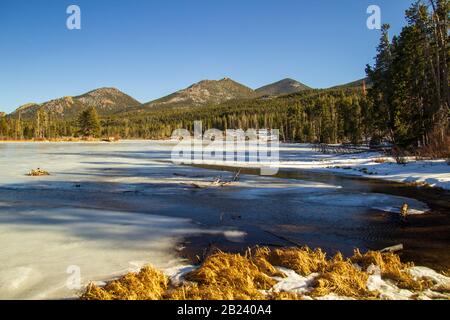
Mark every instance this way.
x=150 y=48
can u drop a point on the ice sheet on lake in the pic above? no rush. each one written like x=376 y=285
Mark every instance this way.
x=382 y=202
x=38 y=247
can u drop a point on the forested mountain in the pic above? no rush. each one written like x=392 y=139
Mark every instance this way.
x=314 y=115
x=285 y=86
x=355 y=84
x=105 y=100
x=205 y=92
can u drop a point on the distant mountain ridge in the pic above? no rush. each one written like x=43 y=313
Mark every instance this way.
x=285 y=86
x=205 y=92
x=105 y=100
x=108 y=101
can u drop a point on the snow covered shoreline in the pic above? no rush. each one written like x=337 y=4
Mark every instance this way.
x=373 y=165
x=376 y=166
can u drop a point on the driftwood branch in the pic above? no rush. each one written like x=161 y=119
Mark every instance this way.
x=284 y=239
x=393 y=249
x=218 y=182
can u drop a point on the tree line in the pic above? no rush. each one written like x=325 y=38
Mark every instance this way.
x=47 y=126
x=409 y=100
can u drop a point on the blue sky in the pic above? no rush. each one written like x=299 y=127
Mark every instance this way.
x=150 y=48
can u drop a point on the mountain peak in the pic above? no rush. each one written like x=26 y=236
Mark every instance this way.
x=282 y=87
x=288 y=80
x=105 y=100
x=106 y=90
x=26 y=106
x=205 y=92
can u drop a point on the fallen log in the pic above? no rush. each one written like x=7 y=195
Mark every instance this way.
x=237 y=176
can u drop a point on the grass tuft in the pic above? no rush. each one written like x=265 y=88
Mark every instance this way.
x=148 y=284
x=304 y=261
x=343 y=278
x=38 y=173
x=391 y=268
x=229 y=277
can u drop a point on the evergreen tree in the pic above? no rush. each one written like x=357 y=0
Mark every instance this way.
x=410 y=98
x=89 y=123
x=3 y=127
x=380 y=92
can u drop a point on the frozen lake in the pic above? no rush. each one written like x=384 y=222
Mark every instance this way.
x=111 y=208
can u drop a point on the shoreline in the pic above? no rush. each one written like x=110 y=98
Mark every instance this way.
x=374 y=166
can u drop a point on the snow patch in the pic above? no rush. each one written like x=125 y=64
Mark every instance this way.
x=294 y=282
x=387 y=290
x=176 y=274
x=427 y=273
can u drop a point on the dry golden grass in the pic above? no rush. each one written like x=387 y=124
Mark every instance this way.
x=260 y=257
x=230 y=270
x=38 y=173
x=343 y=278
x=230 y=276
x=391 y=268
x=148 y=284
x=290 y=296
x=196 y=291
x=224 y=276
x=304 y=261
